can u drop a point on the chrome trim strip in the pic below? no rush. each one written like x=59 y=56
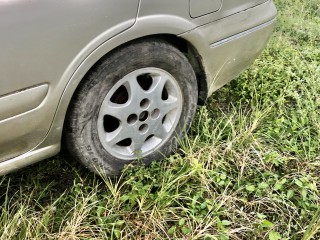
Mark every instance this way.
x=242 y=34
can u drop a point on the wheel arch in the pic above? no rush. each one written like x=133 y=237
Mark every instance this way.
x=184 y=47
x=56 y=130
x=195 y=60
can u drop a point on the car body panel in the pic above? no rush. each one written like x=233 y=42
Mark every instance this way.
x=221 y=38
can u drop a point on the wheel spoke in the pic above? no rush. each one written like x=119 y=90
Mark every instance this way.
x=118 y=135
x=157 y=86
x=118 y=111
x=137 y=143
x=160 y=132
x=169 y=105
x=134 y=90
x=157 y=129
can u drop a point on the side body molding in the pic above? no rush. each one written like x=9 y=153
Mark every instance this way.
x=22 y=101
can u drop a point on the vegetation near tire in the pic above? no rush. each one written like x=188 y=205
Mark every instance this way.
x=134 y=104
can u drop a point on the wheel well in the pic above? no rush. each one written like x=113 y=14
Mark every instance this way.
x=185 y=48
x=189 y=51
x=195 y=60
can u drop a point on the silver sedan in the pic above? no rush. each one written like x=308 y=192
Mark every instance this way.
x=116 y=81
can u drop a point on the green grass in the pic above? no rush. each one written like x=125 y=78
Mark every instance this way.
x=248 y=170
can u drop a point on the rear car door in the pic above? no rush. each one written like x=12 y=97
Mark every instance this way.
x=39 y=41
